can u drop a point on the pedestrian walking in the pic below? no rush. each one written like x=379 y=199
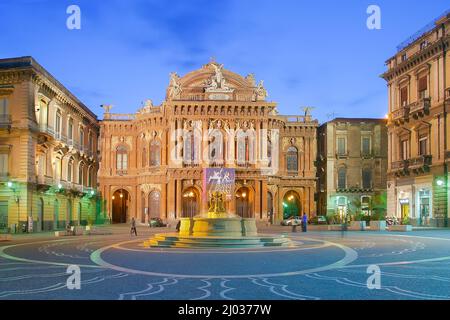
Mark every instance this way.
x=133 y=227
x=178 y=225
x=304 y=222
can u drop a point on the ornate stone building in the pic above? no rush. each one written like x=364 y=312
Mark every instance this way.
x=48 y=143
x=352 y=164
x=152 y=161
x=418 y=83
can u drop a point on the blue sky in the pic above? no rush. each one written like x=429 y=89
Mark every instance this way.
x=316 y=53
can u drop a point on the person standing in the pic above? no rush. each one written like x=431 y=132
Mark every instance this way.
x=304 y=222
x=133 y=227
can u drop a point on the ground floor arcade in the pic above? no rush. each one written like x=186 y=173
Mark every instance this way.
x=46 y=208
x=178 y=198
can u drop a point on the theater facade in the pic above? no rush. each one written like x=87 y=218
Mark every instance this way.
x=153 y=162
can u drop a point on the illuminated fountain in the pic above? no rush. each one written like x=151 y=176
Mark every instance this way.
x=216 y=229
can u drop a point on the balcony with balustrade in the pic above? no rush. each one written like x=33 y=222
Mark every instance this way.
x=400 y=116
x=420 y=108
x=400 y=168
x=420 y=164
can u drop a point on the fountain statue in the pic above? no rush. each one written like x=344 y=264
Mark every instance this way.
x=216 y=227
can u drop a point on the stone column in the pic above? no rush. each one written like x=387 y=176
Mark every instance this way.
x=139 y=208
x=264 y=200
x=204 y=152
x=257 y=199
x=171 y=199
x=179 y=198
x=263 y=143
x=163 y=201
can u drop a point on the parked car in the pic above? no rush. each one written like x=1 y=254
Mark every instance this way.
x=318 y=220
x=292 y=221
x=156 y=222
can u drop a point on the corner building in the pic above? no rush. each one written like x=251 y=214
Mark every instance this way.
x=152 y=161
x=418 y=82
x=48 y=151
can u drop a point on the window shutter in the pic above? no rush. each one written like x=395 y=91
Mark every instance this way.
x=423 y=84
x=404 y=96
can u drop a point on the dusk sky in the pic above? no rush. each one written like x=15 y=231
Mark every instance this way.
x=309 y=53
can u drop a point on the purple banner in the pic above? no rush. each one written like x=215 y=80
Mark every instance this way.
x=219 y=179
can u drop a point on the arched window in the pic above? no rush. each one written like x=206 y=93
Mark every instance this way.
x=342 y=178
x=69 y=170
x=367 y=178
x=216 y=147
x=80 y=173
x=155 y=153
x=122 y=158
x=245 y=147
x=70 y=130
x=292 y=160
x=58 y=124
x=81 y=135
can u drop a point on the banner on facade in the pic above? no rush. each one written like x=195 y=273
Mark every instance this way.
x=219 y=180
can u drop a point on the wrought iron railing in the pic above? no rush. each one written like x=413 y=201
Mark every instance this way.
x=420 y=105
x=420 y=161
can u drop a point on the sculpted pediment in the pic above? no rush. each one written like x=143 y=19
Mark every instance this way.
x=214 y=82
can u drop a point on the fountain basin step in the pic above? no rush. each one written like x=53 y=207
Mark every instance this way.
x=177 y=241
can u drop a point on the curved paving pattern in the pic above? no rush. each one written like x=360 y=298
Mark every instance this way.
x=329 y=265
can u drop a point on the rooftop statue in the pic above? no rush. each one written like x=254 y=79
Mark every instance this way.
x=175 y=86
x=217 y=83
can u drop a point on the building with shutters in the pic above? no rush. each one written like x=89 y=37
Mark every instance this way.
x=418 y=83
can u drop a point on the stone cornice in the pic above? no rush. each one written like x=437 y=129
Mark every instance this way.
x=17 y=70
x=434 y=49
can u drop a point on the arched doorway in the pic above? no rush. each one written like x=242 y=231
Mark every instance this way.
x=120 y=200
x=56 y=214
x=291 y=205
x=154 y=203
x=190 y=203
x=244 y=203
x=40 y=212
